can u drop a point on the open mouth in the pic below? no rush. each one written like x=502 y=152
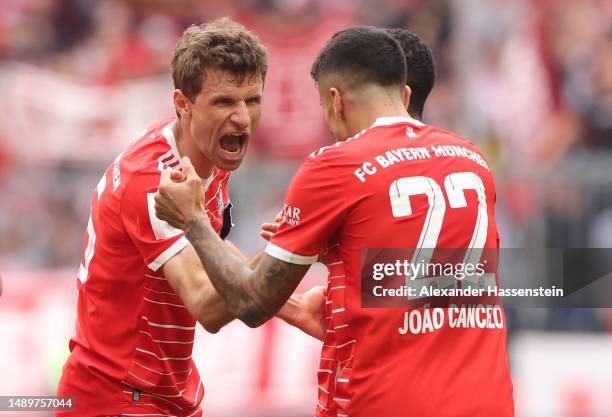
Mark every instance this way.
x=232 y=143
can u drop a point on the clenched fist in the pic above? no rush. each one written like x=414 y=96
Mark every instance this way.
x=180 y=198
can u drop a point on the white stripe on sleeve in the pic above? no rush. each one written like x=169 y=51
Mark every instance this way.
x=165 y=256
x=284 y=255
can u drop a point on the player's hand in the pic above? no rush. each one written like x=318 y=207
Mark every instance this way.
x=309 y=313
x=177 y=176
x=269 y=229
x=179 y=202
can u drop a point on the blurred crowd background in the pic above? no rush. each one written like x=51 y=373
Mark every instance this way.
x=529 y=81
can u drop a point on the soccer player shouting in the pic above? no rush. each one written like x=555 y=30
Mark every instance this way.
x=141 y=285
x=369 y=366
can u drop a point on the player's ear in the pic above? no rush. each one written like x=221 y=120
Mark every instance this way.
x=407 y=94
x=337 y=102
x=182 y=105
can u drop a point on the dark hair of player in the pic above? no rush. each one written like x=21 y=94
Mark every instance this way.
x=421 y=70
x=221 y=44
x=360 y=55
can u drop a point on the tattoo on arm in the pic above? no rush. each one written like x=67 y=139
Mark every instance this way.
x=253 y=296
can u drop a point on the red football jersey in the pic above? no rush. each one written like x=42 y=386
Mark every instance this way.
x=134 y=337
x=397 y=184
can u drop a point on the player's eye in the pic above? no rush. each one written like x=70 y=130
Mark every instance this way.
x=254 y=100
x=223 y=101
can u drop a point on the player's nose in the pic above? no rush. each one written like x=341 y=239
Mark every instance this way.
x=241 y=116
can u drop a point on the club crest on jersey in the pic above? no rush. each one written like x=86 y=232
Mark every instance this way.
x=220 y=207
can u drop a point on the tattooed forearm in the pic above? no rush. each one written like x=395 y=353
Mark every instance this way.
x=225 y=270
x=252 y=296
x=273 y=282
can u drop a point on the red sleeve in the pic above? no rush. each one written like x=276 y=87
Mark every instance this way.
x=155 y=239
x=314 y=210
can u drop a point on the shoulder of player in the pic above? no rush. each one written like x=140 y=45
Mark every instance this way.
x=337 y=150
x=150 y=141
x=150 y=152
x=142 y=164
x=447 y=135
x=350 y=146
x=443 y=139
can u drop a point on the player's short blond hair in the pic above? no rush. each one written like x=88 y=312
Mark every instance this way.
x=220 y=44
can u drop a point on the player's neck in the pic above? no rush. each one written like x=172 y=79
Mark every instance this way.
x=365 y=115
x=186 y=147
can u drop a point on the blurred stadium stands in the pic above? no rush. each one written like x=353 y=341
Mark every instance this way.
x=529 y=81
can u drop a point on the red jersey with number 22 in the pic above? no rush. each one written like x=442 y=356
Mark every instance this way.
x=397 y=184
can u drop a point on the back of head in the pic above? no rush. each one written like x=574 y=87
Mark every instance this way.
x=218 y=45
x=420 y=68
x=362 y=55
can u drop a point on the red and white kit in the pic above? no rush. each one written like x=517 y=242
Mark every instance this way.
x=134 y=337
x=397 y=184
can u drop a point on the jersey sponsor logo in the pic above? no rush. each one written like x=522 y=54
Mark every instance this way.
x=291 y=215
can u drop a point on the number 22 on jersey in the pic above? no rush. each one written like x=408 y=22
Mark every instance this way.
x=455 y=185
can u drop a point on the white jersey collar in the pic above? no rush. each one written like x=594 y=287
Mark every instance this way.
x=206 y=182
x=168 y=134
x=391 y=120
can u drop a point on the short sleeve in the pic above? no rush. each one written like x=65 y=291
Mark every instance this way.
x=155 y=239
x=313 y=212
